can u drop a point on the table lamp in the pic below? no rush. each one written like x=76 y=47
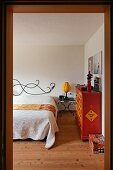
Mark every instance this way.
x=66 y=88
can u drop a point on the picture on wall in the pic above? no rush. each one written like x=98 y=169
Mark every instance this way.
x=90 y=65
x=98 y=63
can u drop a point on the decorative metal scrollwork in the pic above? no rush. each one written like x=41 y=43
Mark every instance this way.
x=32 y=86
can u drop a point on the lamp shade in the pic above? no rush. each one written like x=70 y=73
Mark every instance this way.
x=66 y=87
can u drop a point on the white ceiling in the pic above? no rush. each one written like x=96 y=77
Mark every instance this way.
x=55 y=29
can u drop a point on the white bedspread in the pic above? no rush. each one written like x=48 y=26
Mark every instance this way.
x=35 y=124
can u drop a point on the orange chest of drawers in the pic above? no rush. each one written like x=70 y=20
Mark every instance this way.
x=88 y=112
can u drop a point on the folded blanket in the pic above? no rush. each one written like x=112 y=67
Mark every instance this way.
x=48 y=107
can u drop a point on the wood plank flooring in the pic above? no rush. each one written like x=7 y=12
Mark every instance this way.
x=68 y=153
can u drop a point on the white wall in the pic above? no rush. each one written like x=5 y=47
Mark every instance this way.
x=94 y=45
x=49 y=64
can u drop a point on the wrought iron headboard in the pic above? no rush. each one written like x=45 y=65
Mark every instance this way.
x=32 y=86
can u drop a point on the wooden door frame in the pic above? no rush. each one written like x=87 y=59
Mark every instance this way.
x=10 y=9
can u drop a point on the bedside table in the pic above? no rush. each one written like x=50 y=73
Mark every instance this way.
x=65 y=105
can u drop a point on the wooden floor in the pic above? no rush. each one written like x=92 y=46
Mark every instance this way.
x=68 y=153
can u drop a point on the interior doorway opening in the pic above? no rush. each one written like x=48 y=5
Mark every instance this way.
x=9 y=102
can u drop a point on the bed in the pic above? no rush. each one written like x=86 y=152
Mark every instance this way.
x=35 y=117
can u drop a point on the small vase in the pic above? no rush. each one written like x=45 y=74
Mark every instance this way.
x=89 y=86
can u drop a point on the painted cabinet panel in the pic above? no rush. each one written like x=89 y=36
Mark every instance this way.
x=88 y=112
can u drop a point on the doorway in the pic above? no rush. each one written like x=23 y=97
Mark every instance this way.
x=9 y=66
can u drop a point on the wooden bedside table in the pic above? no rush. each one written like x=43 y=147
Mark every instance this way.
x=65 y=105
